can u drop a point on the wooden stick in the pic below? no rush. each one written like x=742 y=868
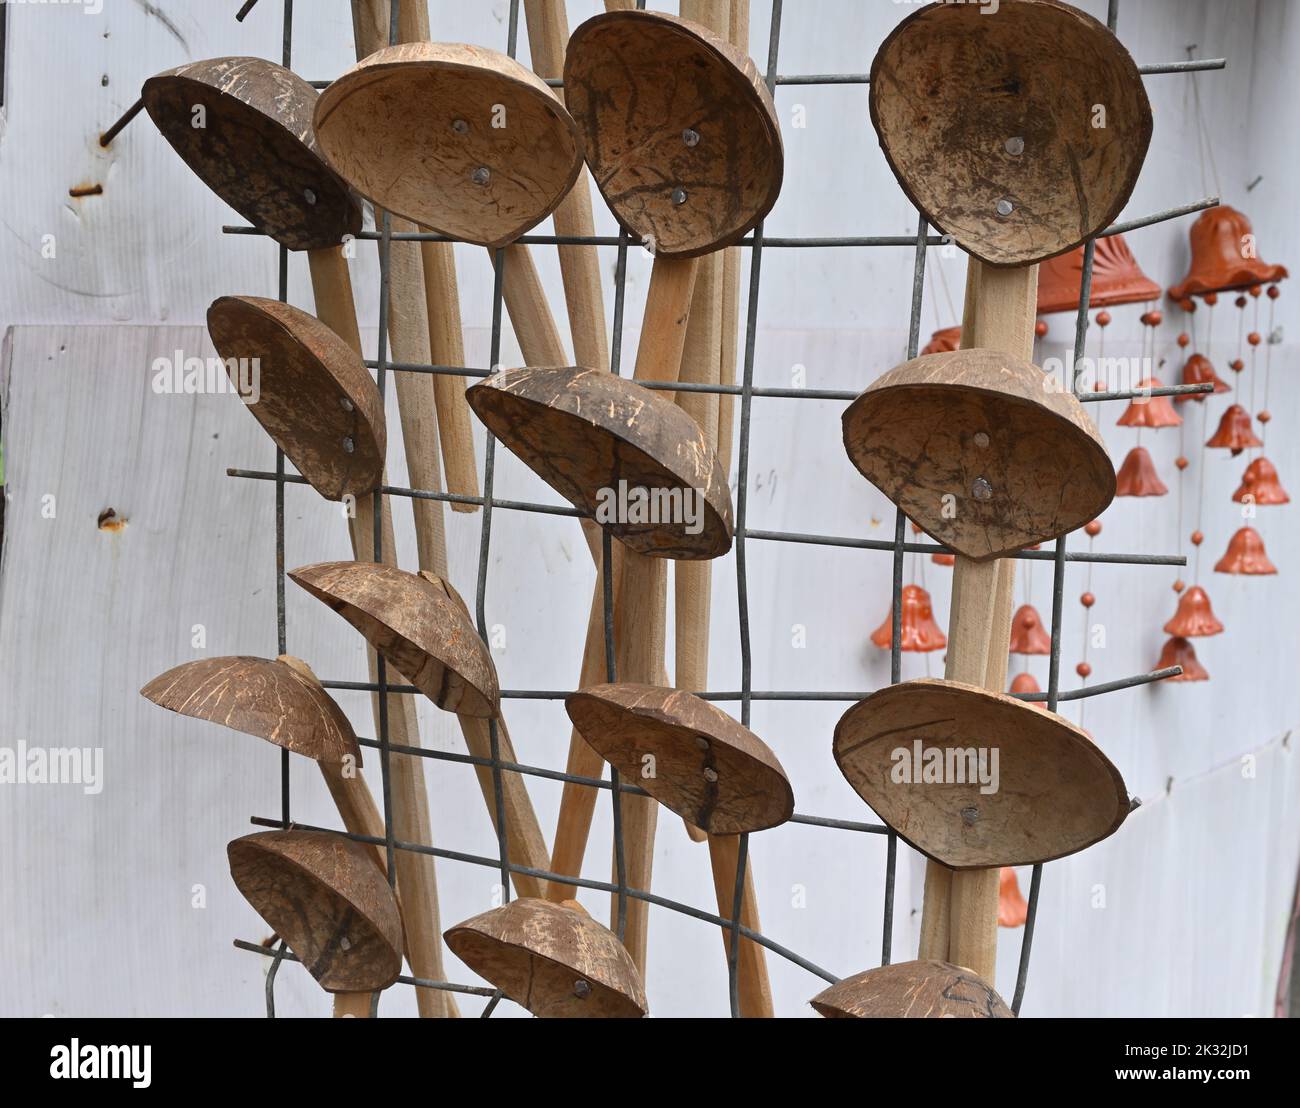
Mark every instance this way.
x=642 y=595
x=705 y=347
x=352 y=1005
x=639 y=657
x=416 y=873
x=739 y=37
x=578 y=802
x=530 y=314
x=548 y=33
x=442 y=310
x=960 y=908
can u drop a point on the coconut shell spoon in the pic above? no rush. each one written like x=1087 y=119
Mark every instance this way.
x=421 y=626
x=320 y=405
x=1003 y=152
x=682 y=140
x=324 y=896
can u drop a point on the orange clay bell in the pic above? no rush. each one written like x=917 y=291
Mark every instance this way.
x=1027 y=634
x=1149 y=411
x=1179 y=652
x=1260 y=483
x=1245 y=555
x=1012 y=909
x=1199 y=371
x=1218 y=264
x=1234 y=433
x=920 y=632
x=1137 y=476
x=1194 y=618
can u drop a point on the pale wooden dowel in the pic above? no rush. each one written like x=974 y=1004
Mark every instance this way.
x=548 y=34
x=667 y=309
x=738 y=34
x=417 y=879
x=702 y=357
x=352 y=1005
x=578 y=802
x=409 y=333
x=753 y=987
x=530 y=314
x=416 y=873
x=446 y=338
x=693 y=581
x=999 y=314
x=524 y=838
x=639 y=659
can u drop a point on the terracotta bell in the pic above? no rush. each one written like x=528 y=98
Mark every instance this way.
x=1137 y=476
x=1149 y=411
x=1027 y=633
x=1245 y=555
x=1217 y=261
x=1198 y=370
x=1179 y=652
x=1012 y=909
x=920 y=632
x=1235 y=432
x=1194 y=617
x=1026 y=683
x=1260 y=482
x=943 y=340
x=1116 y=279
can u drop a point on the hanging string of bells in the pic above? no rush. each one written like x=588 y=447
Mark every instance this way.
x=1225 y=260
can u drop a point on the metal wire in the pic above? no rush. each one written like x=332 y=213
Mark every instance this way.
x=747 y=392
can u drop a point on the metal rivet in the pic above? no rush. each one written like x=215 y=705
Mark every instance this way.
x=1015 y=146
x=1005 y=207
x=679 y=196
x=581 y=989
x=710 y=775
x=701 y=742
x=344 y=943
x=970 y=815
x=981 y=439
x=481 y=176
x=460 y=126
x=345 y=403
x=309 y=196
x=348 y=445
x=981 y=489
x=691 y=137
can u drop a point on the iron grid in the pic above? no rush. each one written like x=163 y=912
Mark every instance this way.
x=747 y=392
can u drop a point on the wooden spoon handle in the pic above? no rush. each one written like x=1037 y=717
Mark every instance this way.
x=959 y=918
x=548 y=34
x=416 y=873
x=442 y=308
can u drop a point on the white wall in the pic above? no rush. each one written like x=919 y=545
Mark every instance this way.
x=99 y=918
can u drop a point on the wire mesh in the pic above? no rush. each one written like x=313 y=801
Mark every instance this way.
x=756 y=243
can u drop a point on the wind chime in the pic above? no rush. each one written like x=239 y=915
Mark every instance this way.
x=1022 y=464
x=1225 y=260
